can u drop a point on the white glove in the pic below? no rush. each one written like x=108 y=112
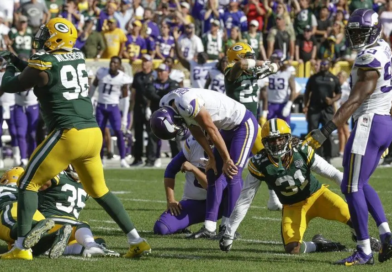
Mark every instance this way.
x=287 y=109
x=148 y=113
x=124 y=125
x=267 y=69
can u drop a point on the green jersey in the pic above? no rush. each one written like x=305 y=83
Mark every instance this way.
x=244 y=89
x=21 y=43
x=255 y=42
x=64 y=101
x=8 y=193
x=65 y=198
x=292 y=184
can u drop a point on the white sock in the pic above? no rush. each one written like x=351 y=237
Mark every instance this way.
x=133 y=237
x=19 y=243
x=16 y=152
x=1 y=153
x=74 y=249
x=309 y=247
x=210 y=225
x=85 y=237
x=384 y=228
x=273 y=197
x=365 y=246
x=224 y=221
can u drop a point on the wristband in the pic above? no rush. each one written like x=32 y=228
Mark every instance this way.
x=328 y=128
x=251 y=63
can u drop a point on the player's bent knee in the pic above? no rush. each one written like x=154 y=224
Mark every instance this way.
x=161 y=229
x=293 y=248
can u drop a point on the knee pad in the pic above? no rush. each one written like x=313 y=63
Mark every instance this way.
x=161 y=229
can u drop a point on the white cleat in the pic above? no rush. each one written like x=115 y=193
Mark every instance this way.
x=158 y=163
x=99 y=251
x=124 y=164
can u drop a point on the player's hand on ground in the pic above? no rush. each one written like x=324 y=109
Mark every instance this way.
x=174 y=207
x=211 y=164
x=229 y=168
x=315 y=139
x=186 y=167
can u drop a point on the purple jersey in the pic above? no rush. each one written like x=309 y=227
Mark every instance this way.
x=165 y=45
x=231 y=19
x=102 y=21
x=74 y=21
x=153 y=30
x=136 y=46
x=150 y=44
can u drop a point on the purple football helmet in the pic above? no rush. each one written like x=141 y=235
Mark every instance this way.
x=166 y=123
x=277 y=55
x=363 y=28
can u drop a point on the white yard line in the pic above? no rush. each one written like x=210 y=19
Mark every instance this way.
x=121 y=192
x=266 y=218
x=118 y=229
x=81 y=258
x=260 y=241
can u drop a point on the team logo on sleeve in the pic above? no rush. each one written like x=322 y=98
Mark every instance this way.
x=61 y=27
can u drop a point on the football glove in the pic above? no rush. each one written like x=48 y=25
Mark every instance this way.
x=267 y=69
x=287 y=109
x=386 y=152
x=315 y=139
x=7 y=55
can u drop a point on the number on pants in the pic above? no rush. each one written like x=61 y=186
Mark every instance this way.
x=292 y=188
x=76 y=79
x=246 y=93
x=77 y=198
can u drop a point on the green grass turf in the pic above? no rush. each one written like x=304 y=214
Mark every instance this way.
x=259 y=248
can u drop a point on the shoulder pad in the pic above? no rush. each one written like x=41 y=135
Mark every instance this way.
x=40 y=60
x=367 y=61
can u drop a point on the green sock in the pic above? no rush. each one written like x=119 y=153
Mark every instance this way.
x=27 y=206
x=116 y=210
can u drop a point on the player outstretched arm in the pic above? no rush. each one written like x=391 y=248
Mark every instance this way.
x=93 y=87
x=323 y=168
x=243 y=65
x=10 y=57
x=184 y=62
x=293 y=94
x=29 y=78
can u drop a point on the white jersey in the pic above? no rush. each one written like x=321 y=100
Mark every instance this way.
x=217 y=80
x=278 y=86
x=194 y=154
x=190 y=46
x=377 y=57
x=7 y=99
x=199 y=73
x=225 y=112
x=109 y=88
x=26 y=98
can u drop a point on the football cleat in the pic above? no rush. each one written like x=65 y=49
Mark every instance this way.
x=124 y=164
x=99 y=251
x=272 y=206
x=35 y=234
x=18 y=254
x=222 y=230
x=358 y=258
x=202 y=233
x=226 y=242
x=138 y=250
x=60 y=242
x=324 y=245
x=386 y=250
x=375 y=244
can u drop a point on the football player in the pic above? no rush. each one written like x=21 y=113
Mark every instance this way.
x=287 y=168
x=216 y=78
x=59 y=77
x=112 y=86
x=231 y=128
x=369 y=103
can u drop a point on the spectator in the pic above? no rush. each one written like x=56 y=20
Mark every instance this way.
x=54 y=7
x=163 y=15
x=175 y=74
x=281 y=9
x=152 y=27
x=216 y=76
x=255 y=40
x=306 y=47
x=82 y=5
x=124 y=15
x=213 y=41
x=21 y=38
x=105 y=16
x=386 y=20
x=234 y=17
x=183 y=14
x=115 y=40
x=343 y=132
x=328 y=50
x=154 y=92
x=322 y=91
x=254 y=10
x=360 y=4
x=324 y=25
x=92 y=12
x=150 y=43
x=189 y=43
x=138 y=10
x=7 y=7
x=165 y=43
x=340 y=17
x=36 y=13
x=235 y=36
x=94 y=43
x=342 y=7
x=139 y=104
x=304 y=17
x=71 y=13
x=338 y=32
x=279 y=38
x=151 y=4
x=209 y=14
x=4 y=30
x=198 y=14
x=136 y=44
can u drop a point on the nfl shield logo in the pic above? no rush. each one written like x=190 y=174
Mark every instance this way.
x=298 y=163
x=365 y=120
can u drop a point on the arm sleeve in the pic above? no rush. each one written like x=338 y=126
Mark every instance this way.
x=125 y=106
x=321 y=167
x=11 y=83
x=175 y=165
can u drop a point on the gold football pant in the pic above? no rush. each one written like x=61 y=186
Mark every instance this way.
x=258 y=145
x=81 y=148
x=323 y=203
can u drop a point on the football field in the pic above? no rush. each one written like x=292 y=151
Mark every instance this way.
x=259 y=248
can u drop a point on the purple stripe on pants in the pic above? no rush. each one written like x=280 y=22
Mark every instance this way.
x=26 y=119
x=275 y=111
x=11 y=126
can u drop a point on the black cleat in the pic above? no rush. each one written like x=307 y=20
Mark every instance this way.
x=60 y=242
x=222 y=230
x=324 y=245
x=202 y=233
x=386 y=250
x=225 y=243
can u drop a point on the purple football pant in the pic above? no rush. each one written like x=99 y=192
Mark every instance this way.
x=239 y=143
x=11 y=126
x=275 y=111
x=111 y=112
x=26 y=120
x=361 y=197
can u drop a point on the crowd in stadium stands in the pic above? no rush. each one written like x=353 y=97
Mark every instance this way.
x=146 y=30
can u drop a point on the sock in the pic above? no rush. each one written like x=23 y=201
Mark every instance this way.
x=308 y=247
x=85 y=237
x=224 y=221
x=210 y=225
x=116 y=211
x=383 y=228
x=19 y=243
x=133 y=237
x=27 y=206
x=365 y=246
x=16 y=152
x=74 y=249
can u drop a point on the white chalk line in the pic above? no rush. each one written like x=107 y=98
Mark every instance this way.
x=266 y=218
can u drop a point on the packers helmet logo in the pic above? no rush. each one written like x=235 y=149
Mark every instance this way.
x=61 y=27
x=237 y=48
